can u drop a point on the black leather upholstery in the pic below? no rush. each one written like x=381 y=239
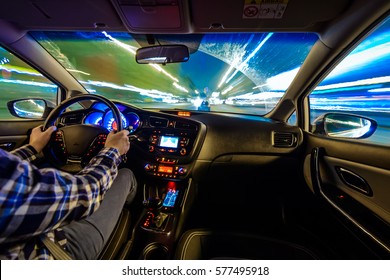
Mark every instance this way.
x=206 y=244
x=118 y=237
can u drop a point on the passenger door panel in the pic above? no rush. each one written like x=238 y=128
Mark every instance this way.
x=360 y=164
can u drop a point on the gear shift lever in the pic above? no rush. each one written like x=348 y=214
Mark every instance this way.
x=153 y=203
x=154 y=218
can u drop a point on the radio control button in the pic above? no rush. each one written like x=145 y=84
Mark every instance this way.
x=183 y=151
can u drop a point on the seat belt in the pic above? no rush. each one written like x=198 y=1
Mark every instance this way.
x=56 y=250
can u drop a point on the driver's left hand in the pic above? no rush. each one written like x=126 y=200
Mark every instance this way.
x=39 y=138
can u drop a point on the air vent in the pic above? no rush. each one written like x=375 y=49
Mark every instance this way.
x=183 y=125
x=158 y=122
x=283 y=139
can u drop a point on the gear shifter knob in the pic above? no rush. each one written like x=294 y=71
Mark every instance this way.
x=152 y=203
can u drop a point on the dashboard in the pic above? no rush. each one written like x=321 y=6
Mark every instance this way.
x=163 y=145
x=166 y=144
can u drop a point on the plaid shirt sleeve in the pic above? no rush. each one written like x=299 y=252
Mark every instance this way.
x=26 y=152
x=34 y=201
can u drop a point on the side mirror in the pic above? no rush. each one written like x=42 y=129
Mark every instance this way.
x=162 y=54
x=341 y=125
x=29 y=108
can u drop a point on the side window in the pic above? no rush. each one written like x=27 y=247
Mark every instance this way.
x=293 y=119
x=359 y=85
x=19 y=80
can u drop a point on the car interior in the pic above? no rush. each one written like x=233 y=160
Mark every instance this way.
x=228 y=166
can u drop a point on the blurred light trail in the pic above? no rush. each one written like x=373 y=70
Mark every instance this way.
x=20 y=70
x=245 y=62
x=30 y=83
x=78 y=71
x=282 y=81
x=259 y=86
x=154 y=93
x=133 y=50
x=379 y=90
x=119 y=43
x=372 y=81
x=227 y=90
x=180 y=87
x=357 y=60
x=160 y=69
x=232 y=65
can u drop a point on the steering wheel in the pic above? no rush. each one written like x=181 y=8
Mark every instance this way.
x=71 y=147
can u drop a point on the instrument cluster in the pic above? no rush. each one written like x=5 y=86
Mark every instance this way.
x=102 y=116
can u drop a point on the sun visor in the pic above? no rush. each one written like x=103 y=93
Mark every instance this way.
x=154 y=16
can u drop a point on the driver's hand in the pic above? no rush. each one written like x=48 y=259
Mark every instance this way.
x=39 y=138
x=118 y=140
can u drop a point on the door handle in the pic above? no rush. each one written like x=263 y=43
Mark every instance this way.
x=354 y=181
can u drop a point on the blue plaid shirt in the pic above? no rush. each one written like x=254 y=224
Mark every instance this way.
x=36 y=202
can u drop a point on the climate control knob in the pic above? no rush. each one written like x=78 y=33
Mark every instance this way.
x=148 y=167
x=183 y=151
x=182 y=171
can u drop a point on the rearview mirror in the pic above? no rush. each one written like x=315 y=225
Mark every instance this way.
x=162 y=54
x=341 y=125
x=29 y=108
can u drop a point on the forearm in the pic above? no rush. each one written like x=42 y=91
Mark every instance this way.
x=52 y=196
x=26 y=152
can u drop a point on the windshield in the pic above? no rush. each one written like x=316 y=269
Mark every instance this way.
x=239 y=73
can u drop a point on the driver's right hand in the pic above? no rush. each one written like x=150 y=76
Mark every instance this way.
x=118 y=140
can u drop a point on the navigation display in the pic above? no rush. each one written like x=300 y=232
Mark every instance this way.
x=169 y=142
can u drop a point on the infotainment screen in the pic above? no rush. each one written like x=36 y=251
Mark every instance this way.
x=169 y=142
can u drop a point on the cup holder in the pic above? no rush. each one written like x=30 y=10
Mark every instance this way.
x=155 y=251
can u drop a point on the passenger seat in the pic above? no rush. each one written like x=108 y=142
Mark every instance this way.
x=204 y=244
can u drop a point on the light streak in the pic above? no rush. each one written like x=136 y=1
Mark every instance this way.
x=132 y=50
x=180 y=87
x=78 y=71
x=282 y=81
x=30 y=83
x=20 y=70
x=227 y=90
x=244 y=63
x=371 y=81
x=360 y=59
x=379 y=90
x=232 y=65
x=259 y=86
x=160 y=69
x=154 y=93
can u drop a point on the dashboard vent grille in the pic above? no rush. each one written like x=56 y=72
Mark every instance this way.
x=283 y=139
x=183 y=125
x=158 y=122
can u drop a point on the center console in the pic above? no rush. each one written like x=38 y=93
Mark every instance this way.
x=166 y=205
x=170 y=145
